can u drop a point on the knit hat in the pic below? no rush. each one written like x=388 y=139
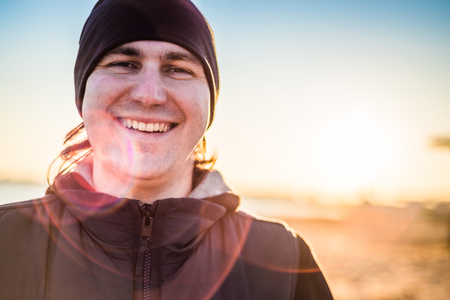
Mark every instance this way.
x=116 y=22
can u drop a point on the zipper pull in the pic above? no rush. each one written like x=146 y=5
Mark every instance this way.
x=146 y=234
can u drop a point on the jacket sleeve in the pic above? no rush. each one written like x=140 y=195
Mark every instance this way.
x=311 y=283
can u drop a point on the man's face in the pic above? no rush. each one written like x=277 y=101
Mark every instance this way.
x=146 y=107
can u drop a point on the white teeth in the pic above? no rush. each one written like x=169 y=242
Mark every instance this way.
x=149 y=127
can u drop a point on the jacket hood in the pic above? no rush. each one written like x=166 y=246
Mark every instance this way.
x=208 y=185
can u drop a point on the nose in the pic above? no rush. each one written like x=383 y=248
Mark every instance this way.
x=148 y=87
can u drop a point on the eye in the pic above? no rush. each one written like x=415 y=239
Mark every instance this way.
x=122 y=64
x=179 y=70
x=179 y=73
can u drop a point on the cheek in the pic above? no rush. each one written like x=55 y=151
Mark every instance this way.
x=101 y=91
x=193 y=100
x=99 y=94
x=201 y=105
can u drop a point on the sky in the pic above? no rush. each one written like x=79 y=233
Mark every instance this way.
x=325 y=100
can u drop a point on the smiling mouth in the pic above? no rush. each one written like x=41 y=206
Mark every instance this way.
x=147 y=127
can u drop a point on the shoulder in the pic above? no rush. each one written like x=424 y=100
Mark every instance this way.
x=29 y=203
x=268 y=239
x=29 y=206
x=19 y=215
x=268 y=226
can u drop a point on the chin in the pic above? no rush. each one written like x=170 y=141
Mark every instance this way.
x=150 y=171
x=148 y=174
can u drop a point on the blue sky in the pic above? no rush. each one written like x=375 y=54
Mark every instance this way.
x=292 y=74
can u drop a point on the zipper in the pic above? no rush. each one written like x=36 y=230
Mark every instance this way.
x=143 y=265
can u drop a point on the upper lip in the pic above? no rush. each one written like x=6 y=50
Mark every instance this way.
x=146 y=119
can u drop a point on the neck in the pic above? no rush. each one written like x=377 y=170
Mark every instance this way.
x=147 y=189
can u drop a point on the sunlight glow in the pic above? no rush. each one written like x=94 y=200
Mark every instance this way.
x=352 y=149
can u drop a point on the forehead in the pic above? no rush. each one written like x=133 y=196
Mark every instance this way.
x=154 y=50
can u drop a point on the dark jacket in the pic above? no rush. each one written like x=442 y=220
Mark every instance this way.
x=75 y=243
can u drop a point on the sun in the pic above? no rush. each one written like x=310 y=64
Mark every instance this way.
x=352 y=149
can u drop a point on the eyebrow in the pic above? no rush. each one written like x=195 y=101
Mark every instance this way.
x=169 y=55
x=125 y=50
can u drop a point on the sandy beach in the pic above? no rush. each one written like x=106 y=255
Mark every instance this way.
x=382 y=253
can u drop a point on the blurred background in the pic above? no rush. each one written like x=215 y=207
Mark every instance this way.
x=332 y=115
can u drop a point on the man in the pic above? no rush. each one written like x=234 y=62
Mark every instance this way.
x=133 y=212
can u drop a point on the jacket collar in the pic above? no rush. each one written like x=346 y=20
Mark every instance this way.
x=209 y=186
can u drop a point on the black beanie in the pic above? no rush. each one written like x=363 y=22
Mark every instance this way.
x=116 y=22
